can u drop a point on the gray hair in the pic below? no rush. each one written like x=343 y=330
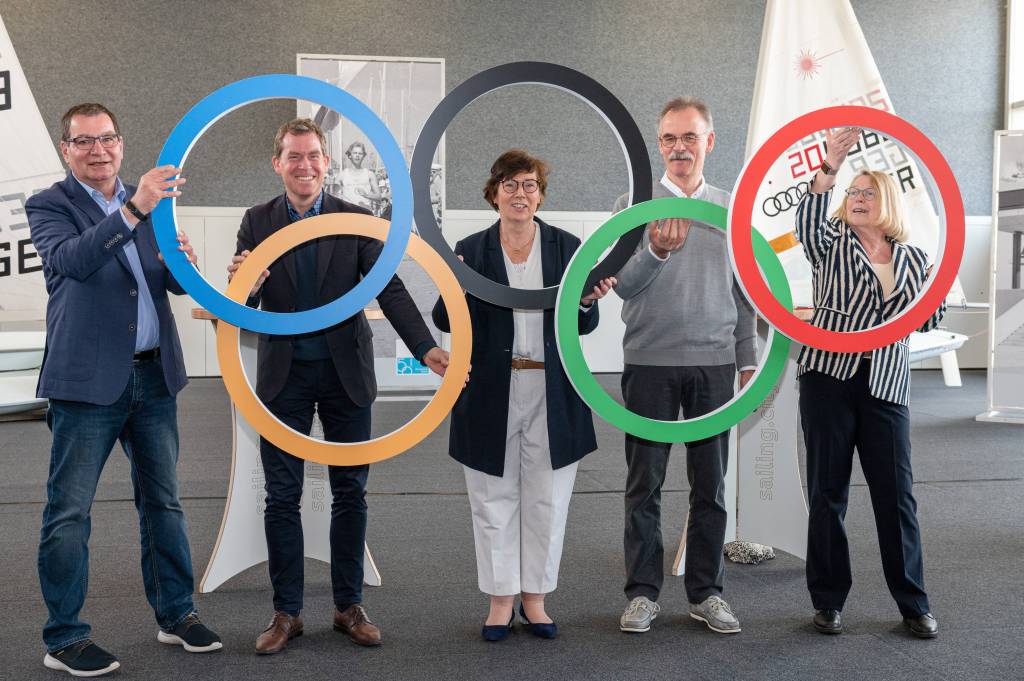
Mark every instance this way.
x=680 y=103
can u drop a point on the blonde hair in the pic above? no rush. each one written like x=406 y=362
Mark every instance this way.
x=890 y=209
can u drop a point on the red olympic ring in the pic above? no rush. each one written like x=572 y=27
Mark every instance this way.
x=742 y=210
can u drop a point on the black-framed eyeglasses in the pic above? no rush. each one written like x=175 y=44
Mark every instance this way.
x=689 y=139
x=86 y=142
x=529 y=186
x=869 y=194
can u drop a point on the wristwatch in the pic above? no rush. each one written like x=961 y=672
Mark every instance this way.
x=827 y=169
x=134 y=210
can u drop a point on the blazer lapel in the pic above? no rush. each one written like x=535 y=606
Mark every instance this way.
x=858 y=256
x=494 y=260
x=551 y=270
x=900 y=265
x=279 y=220
x=87 y=205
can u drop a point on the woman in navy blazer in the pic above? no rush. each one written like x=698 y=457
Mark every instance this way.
x=519 y=428
x=864 y=275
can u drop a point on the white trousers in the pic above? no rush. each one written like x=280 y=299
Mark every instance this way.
x=519 y=518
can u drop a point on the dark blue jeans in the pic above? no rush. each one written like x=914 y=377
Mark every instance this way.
x=144 y=419
x=315 y=385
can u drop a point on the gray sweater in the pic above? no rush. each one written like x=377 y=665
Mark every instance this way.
x=687 y=310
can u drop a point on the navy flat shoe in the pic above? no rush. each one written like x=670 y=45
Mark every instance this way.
x=493 y=633
x=546 y=630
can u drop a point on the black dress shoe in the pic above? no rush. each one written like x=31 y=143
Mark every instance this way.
x=828 y=621
x=922 y=626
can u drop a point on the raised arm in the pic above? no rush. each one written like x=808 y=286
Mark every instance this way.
x=813 y=227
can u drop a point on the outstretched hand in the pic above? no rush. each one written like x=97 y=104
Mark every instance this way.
x=600 y=291
x=667 y=236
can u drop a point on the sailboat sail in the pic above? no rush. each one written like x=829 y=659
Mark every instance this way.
x=28 y=164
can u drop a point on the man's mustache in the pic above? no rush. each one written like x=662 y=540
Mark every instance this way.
x=680 y=156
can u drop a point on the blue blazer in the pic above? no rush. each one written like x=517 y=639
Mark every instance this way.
x=848 y=297
x=92 y=311
x=479 y=418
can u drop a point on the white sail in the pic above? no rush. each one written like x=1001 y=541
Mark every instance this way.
x=28 y=164
x=813 y=55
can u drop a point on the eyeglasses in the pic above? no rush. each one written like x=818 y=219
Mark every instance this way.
x=86 y=142
x=529 y=186
x=689 y=139
x=869 y=194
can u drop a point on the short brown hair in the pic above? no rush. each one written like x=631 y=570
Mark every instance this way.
x=86 y=109
x=680 y=103
x=513 y=162
x=299 y=126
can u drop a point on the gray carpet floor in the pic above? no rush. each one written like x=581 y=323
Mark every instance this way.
x=969 y=487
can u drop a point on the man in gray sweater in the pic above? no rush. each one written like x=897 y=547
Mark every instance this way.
x=688 y=328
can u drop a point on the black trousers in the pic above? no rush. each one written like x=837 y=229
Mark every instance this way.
x=315 y=385
x=837 y=417
x=658 y=392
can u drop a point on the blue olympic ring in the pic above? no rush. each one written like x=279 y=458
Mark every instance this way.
x=285 y=86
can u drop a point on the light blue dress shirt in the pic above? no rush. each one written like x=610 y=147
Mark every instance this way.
x=147 y=327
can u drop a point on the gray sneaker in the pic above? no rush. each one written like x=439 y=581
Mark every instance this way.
x=717 y=614
x=639 y=615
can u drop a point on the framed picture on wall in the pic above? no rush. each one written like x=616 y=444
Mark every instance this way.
x=402 y=91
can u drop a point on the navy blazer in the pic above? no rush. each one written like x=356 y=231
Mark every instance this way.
x=479 y=419
x=848 y=297
x=341 y=262
x=92 y=311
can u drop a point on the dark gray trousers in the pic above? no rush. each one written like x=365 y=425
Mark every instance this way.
x=658 y=392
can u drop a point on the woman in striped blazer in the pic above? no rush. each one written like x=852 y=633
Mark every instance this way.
x=864 y=275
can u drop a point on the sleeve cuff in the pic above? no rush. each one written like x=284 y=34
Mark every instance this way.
x=127 y=224
x=422 y=349
x=747 y=368
x=654 y=255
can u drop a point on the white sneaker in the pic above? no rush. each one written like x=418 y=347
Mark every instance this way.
x=639 y=614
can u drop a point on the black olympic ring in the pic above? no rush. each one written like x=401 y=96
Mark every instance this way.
x=791 y=196
x=539 y=73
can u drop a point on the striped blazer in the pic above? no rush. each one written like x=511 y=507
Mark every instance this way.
x=848 y=297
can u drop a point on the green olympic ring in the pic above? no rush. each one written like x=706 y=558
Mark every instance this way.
x=571 y=352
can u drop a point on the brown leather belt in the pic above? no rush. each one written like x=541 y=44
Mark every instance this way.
x=523 y=363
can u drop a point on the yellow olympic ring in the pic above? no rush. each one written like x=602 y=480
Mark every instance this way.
x=345 y=453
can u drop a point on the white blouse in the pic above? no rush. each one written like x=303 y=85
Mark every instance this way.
x=528 y=339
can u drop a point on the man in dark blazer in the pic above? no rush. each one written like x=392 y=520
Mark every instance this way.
x=111 y=370
x=330 y=371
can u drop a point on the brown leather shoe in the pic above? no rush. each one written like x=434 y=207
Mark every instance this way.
x=355 y=622
x=275 y=637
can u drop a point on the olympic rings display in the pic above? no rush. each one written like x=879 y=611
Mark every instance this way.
x=347 y=453
x=590 y=391
x=742 y=209
x=276 y=86
x=748 y=251
x=540 y=73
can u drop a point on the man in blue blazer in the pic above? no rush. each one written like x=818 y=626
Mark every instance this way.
x=111 y=370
